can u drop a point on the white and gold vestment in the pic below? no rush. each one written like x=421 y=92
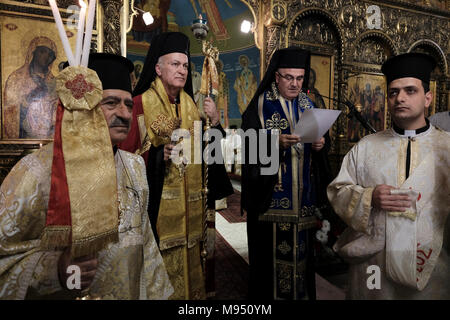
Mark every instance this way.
x=411 y=249
x=130 y=269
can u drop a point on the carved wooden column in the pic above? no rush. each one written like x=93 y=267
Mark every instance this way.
x=111 y=25
x=273 y=19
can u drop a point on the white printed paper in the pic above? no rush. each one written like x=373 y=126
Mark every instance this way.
x=314 y=123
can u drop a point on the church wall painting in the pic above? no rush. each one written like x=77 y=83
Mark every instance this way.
x=368 y=93
x=245 y=84
x=240 y=79
x=31 y=57
x=138 y=61
x=321 y=80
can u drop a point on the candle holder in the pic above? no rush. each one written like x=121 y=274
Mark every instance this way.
x=199 y=28
x=209 y=75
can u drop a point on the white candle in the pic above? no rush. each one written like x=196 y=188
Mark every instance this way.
x=80 y=32
x=88 y=35
x=62 y=32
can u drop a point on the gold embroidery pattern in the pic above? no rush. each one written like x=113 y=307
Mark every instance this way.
x=284 y=226
x=407 y=214
x=163 y=126
x=303 y=101
x=284 y=247
x=284 y=278
x=274 y=203
x=279 y=186
x=195 y=196
x=145 y=138
x=145 y=146
x=285 y=203
x=170 y=194
x=79 y=86
x=276 y=122
x=273 y=94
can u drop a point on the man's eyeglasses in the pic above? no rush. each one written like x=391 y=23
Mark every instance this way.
x=290 y=78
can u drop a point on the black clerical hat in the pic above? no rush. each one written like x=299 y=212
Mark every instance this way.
x=293 y=57
x=415 y=65
x=162 y=44
x=173 y=42
x=112 y=70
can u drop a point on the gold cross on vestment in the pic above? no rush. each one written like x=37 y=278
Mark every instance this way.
x=276 y=122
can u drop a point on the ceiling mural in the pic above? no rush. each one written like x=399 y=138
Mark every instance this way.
x=224 y=19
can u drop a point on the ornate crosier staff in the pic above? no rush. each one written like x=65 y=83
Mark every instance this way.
x=209 y=86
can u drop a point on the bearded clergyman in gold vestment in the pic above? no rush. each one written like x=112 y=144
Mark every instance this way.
x=164 y=103
x=393 y=191
x=80 y=201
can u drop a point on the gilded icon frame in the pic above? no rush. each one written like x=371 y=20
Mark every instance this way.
x=23 y=28
x=367 y=92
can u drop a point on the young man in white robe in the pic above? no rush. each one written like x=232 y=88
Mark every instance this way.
x=393 y=192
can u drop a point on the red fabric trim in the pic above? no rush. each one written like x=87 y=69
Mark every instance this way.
x=58 y=212
x=133 y=140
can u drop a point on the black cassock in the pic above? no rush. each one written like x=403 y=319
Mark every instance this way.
x=256 y=199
